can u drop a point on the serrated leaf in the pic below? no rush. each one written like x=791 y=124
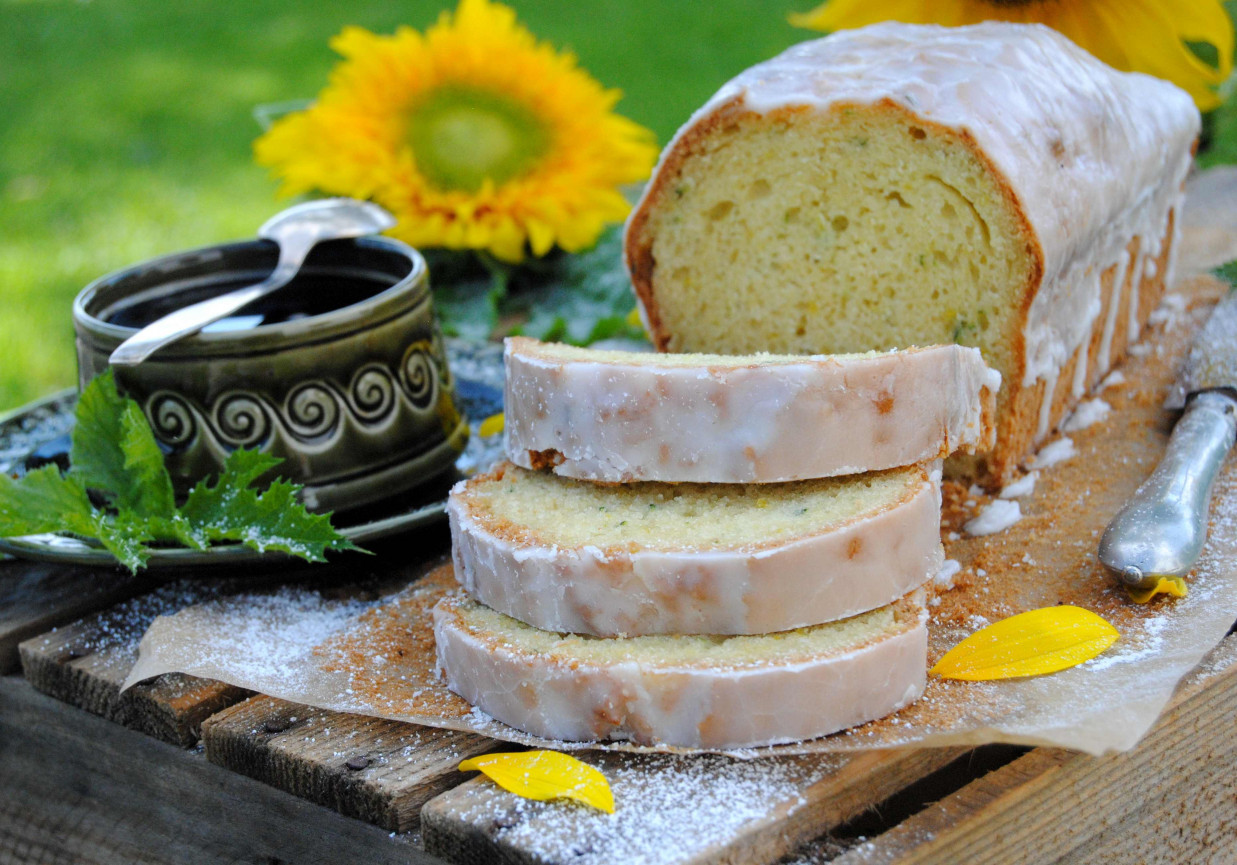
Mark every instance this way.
x=229 y=510
x=114 y=452
x=542 y=775
x=1028 y=644
x=148 y=487
x=125 y=537
x=97 y=459
x=44 y=501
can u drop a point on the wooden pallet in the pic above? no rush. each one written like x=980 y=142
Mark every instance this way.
x=1173 y=799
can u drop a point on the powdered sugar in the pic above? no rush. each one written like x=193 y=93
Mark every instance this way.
x=666 y=809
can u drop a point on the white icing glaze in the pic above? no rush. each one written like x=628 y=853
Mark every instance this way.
x=805 y=580
x=944 y=578
x=1088 y=412
x=1103 y=360
x=1054 y=452
x=1024 y=486
x=1094 y=157
x=996 y=516
x=691 y=706
x=749 y=420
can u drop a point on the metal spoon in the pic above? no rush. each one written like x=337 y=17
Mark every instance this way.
x=297 y=230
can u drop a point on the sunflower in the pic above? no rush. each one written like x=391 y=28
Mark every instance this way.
x=1138 y=35
x=474 y=134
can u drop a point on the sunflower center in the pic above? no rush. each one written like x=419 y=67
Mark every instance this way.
x=462 y=136
x=1008 y=3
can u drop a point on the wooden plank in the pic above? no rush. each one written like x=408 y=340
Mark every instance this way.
x=377 y=770
x=86 y=662
x=78 y=789
x=1172 y=799
x=36 y=597
x=700 y=809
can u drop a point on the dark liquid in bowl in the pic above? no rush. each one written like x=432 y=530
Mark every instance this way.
x=307 y=295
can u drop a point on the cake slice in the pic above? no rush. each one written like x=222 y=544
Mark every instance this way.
x=625 y=416
x=650 y=558
x=690 y=691
x=900 y=185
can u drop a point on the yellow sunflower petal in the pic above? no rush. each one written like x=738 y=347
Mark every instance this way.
x=542 y=775
x=1028 y=644
x=849 y=14
x=1172 y=586
x=1205 y=21
x=1139 y=35
x=473 y=133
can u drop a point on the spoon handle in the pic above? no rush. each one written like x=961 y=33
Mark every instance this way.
x=293 y=247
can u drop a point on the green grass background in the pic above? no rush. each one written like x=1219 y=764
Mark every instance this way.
x=126 y=125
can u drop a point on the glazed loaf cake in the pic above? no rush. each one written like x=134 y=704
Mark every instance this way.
x=653 y=558
x=899 y=185
x=623 y=416
x=690 y=691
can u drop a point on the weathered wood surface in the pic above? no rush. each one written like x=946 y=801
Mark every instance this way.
x=675 y=809
x=86 y=662
x=1173 y=799
x=94 y=792
x=36 y=597
x=377 y=770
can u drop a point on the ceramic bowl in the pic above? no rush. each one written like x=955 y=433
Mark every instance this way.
x=341 y=373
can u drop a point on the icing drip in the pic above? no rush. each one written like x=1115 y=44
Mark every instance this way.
x=1045 y=406
x=1104 y=359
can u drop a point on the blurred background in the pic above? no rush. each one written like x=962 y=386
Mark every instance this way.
x=126 y=126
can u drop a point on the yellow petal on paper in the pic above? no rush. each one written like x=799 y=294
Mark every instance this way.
x=1028 y=644
x=492 y=425
x=1174 y=586
x=545 y=775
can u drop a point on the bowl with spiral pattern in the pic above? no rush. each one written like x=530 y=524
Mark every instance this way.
x=341 y=373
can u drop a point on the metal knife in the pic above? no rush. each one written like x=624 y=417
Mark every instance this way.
x=1161 y=530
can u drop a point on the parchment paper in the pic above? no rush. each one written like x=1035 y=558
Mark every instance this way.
x=377 y=657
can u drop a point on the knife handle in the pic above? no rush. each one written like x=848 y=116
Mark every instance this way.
x=1161 y=530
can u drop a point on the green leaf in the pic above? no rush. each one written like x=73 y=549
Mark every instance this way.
x=583 y=298
x=148 y=487
x=44 y=501
x=468 y=291
x=229 y=510
x=96 y=456
x=114 y=451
